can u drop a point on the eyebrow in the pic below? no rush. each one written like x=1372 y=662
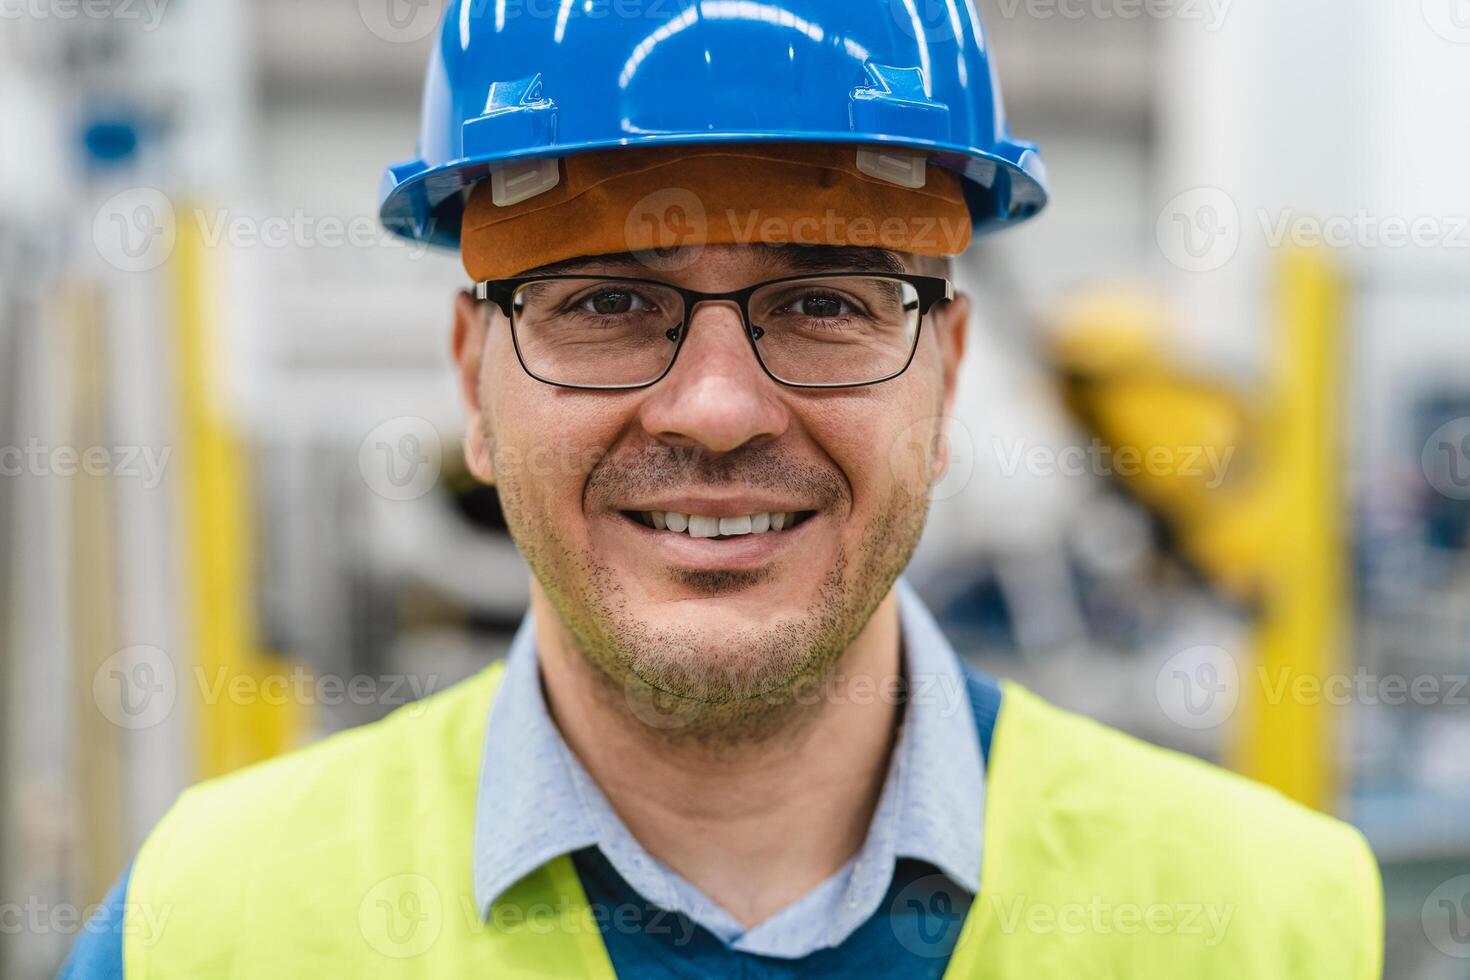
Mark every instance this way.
x=826 y=258
x=792 y=258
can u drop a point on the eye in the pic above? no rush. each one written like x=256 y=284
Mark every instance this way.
x=615 y=302
x=822 y=306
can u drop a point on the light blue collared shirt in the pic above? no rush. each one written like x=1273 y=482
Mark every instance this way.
x=537 y=802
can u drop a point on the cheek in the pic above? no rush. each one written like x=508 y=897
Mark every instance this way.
x=544 y=442
x=883 y=438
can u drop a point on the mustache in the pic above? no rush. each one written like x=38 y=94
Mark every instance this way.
x=651 y=469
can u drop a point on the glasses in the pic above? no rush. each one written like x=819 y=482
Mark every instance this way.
x=836 y=330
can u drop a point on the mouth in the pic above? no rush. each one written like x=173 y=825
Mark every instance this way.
x=718 y=528
x=705 y=543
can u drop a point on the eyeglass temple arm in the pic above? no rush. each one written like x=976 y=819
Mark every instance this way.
x=482 y=293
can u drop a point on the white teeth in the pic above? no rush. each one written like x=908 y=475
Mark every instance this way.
x=735 y=525
x=703 y=527
x=708 y=527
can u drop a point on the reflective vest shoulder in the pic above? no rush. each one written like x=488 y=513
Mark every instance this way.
x=1103 y=857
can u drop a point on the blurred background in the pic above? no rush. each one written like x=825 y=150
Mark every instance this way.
x=1212 y=449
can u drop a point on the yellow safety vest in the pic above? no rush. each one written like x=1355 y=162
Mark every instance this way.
x=1104 y=857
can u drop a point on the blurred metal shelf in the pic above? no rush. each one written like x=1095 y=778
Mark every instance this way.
x=1413 y=825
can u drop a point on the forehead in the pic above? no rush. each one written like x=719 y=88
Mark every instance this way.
x=754 y=261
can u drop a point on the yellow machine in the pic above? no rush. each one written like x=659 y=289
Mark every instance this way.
x=1266 y=527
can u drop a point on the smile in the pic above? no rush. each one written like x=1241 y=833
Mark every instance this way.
x=718 y=528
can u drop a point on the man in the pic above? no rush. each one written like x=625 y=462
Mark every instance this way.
x=707 y=363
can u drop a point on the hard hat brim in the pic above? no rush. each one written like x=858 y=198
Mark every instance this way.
x=1003 y=187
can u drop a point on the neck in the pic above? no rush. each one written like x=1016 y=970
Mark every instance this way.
x=756 y=825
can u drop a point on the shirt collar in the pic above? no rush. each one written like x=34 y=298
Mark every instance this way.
x=534 y=802
x=938 y=761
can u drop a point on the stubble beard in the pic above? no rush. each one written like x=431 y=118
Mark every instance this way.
x=718 y=688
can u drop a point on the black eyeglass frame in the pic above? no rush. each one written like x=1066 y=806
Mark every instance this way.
x=931 y=290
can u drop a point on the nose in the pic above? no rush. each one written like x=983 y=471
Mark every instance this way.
x=716 y=396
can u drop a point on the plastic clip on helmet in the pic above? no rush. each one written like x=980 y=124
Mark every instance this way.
x=512 y=88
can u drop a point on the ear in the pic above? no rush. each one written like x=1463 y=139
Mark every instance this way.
x=467 y=345
x=952 y=326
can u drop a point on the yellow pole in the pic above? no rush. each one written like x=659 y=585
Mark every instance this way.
x=1286 y=737
x=239 y=723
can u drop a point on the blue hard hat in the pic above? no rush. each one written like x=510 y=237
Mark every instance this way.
x=511 y=82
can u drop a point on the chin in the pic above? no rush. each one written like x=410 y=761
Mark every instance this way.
x=730 y=651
